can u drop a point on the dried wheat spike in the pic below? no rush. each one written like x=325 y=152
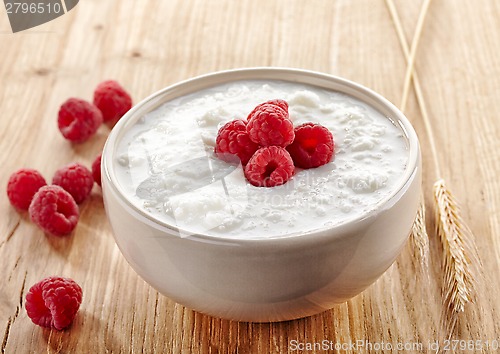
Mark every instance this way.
x=460 y=260
x=419 y=238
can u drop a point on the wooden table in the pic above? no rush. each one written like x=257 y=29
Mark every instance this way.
x=147 y=45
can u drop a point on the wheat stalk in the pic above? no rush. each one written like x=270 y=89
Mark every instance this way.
x=460 y=260
x=418 y=237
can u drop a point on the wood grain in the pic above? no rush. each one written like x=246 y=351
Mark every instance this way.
x=147 y=45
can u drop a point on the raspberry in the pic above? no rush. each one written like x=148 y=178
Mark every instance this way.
x=78 y=120
x=53 y=302
x=96 y=170
x=233 y=139
x=277 y=102
x=280 y=103
x=313 y=146
x=22 y=186
x=112 y=99
x=76 y=179
x=54 y=210
x=268 y=125
x=270 y=166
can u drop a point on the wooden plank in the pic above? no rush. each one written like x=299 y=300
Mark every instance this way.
x=150 y=44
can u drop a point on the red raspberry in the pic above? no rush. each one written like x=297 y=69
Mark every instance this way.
x=112 y=99
x=22 y=186
x=54 y=210
x=96 y=170
x=53 y=302
x=280 y=103
x=233 y=139
x=313 y=146
x=78 y=120
x=270 y=166
x=76 y=179
x=277 y=102
x=268 y=125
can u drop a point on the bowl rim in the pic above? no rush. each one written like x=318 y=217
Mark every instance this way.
x=262 y=73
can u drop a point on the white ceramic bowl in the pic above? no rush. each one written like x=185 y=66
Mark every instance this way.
x=272 y=279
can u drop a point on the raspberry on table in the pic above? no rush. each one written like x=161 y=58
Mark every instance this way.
x=313 y=146
x=54 y=210
x=112 y=99
x=96 y=170
x=53 y=302
x=233 y=139
x=269 y=124
x=22 y=186
x=76 y=179
x=78 y=120
x=269 y=167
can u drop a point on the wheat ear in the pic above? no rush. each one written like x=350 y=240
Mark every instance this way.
x=460 y=260
x=419 y=238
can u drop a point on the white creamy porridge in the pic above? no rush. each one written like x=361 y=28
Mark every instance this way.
x=166 y=166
